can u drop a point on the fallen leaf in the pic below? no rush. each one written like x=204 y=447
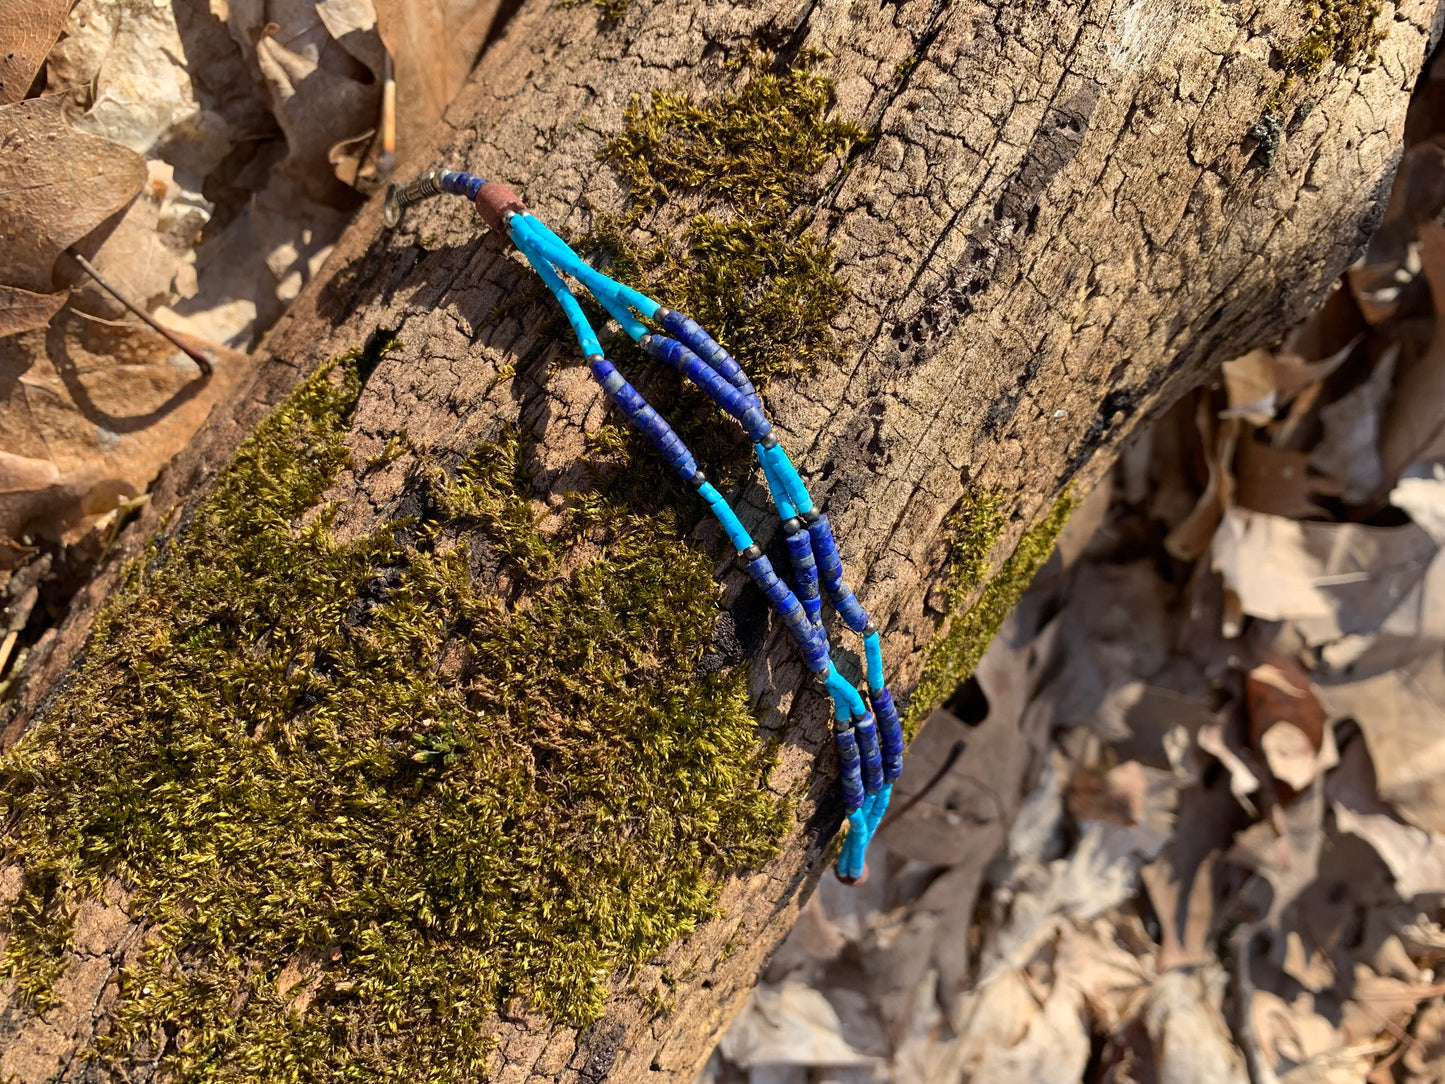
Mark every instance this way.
x=21 y=310
x=56 y=185
x=1422 y=497
x=1290 y=1033
x=1249 y=384
x=90 y=413
x=1327 y=579
x=1191 y=1041
x=1190 y=539
x=1277 y=481
x=1350 y=448
x=28 y=28
x=790 y=1024
x=1284 y=849
x=1286 y=722
x=434 y=45
x=1401 y=713
x=1415 y=416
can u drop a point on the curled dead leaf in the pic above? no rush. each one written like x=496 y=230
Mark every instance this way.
x=56 y=185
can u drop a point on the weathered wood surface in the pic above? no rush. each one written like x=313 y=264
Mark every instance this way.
x=1062 y=223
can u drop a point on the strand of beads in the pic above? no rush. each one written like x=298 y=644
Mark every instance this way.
x=869 y=742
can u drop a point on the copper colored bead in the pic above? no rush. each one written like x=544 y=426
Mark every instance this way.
x=494 y=200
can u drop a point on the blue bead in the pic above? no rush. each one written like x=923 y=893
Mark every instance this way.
x=755 y=423
x=458 y=183
x=644 y=417
x=849 y=609
x=890 y=732
x=706 y=347
x=825 y=552
x=873 y=651
x=849 y=769
x=805 y=572
x=816 y=652
x=672 y=352
x=736 y=532
x=717 y=389
x=865 y=731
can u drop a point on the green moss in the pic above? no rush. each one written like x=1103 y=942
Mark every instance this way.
x=281 y=742
x=1340 y=30
x=291 y=748
x=976 y=526
x=743 y=163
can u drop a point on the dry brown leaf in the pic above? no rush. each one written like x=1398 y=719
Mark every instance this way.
x=1401 y=713
x=1415 y=416
x=1190 y=539
x=1284 y=849
x=56 y=185
x=21 y=310
x=28 y=28
x=1350 y=449
x=1277 y=482
x=1327 y=579
x=352 y=23
x=91 y=413
x=1286 y=721
x=434 y=44
x=1115 y=796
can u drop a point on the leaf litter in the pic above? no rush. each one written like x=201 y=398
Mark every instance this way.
x=1198 y=829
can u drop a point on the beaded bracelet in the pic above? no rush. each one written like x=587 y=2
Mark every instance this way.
x=869 y=741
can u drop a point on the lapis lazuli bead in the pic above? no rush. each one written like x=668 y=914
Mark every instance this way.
x=805 y=572
x=850 y=772
x=815 y=652
x=691 y=333
x=849 y=609
x=890 y=733
x=865 y=732
x=825 y=552
x=724 y=394
x=644 y=417
x=460 y=184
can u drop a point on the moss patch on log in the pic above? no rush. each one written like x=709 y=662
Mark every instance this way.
x=1342 y=31
x=743 y=165
x=975 y=526
x=294 y=749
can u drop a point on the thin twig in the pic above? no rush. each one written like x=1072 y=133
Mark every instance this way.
x=160 y=329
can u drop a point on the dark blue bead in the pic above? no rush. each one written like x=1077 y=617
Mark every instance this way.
x=805 y=572
x=755 y=423
x=825 y=552
x=865 y=732
x=890 y=733
x=849 y=769
x=717 y=389
x=706 y=347
x=460 y=184
x=645 y=418
x=850 y=609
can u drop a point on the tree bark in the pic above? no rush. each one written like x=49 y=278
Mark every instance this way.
x=1068 y=214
